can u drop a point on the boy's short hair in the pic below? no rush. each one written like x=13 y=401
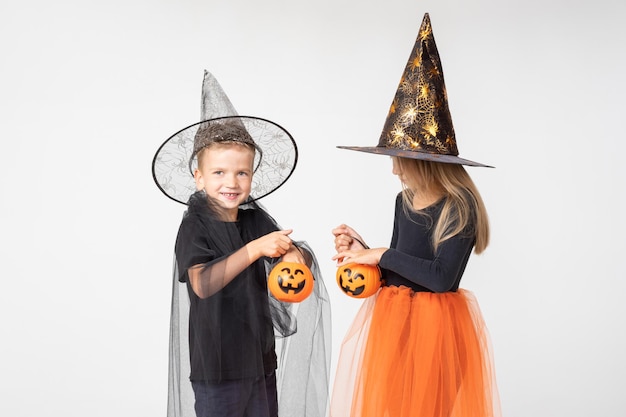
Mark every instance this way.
x=224 y=131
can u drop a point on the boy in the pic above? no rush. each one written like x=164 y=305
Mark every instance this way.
x=235 y=351
x=218 y=252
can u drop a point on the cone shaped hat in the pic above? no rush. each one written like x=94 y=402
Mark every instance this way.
x=419 y=124
x=175 y=160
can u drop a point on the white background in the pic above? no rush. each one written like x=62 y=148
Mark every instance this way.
x=89 y=90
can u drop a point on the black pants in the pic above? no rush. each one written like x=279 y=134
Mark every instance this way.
x=251 y=397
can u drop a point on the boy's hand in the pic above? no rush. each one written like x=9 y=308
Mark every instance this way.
x=294 y=255
x=272 y=245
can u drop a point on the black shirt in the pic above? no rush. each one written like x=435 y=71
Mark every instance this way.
x=411 y=261
x=230 y=333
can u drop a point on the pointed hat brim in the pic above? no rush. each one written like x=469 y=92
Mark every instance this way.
x=403 y=153
x=419 y=124
x=173 y=173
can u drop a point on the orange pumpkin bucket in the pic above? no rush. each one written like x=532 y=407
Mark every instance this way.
x=290 y=281
x=359 y=280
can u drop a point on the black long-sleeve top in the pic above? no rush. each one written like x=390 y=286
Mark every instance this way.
x=411 y=261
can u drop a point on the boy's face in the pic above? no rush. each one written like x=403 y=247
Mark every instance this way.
x=225 y=174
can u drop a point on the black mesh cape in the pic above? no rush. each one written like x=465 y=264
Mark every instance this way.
x=236 y=329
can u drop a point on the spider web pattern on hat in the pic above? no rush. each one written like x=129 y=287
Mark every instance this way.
x=172 y=167
x=174 y=176
x=419 y=124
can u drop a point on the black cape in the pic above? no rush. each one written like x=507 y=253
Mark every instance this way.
x=242 y=330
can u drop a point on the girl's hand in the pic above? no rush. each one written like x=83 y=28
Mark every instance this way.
x=346 y=238
x=360 y=256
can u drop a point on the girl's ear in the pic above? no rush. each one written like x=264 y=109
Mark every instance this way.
x=197 y=176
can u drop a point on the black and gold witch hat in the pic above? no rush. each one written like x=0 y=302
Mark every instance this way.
x=419 y=124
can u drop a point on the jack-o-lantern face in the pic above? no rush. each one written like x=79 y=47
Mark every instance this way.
x=358 y=280
x=290 y=281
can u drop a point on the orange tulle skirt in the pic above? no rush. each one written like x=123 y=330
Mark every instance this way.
x=416 y=354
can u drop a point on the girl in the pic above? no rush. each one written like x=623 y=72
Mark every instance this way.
x=419 y=347
x=426 y=353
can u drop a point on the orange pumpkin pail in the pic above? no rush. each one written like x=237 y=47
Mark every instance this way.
x=359 y=280
x=290 y=281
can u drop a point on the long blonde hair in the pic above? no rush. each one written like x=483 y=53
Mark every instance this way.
x=463 y=206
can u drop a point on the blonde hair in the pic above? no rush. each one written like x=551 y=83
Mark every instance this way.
x=463 y=206
x=222 y=132
x=223 y=144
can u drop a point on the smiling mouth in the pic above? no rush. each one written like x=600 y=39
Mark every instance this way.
x=347 y=290
x=287 y=286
